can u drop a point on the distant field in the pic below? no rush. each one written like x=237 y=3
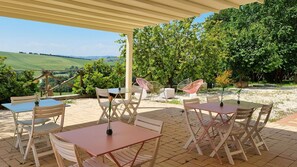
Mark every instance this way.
x=38 y=62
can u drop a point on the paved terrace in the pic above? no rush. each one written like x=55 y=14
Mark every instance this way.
x=280 y=136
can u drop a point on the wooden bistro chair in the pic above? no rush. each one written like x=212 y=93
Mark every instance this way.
x=256 y=126
x=234 y=132
x=126 y=156
x=68 y=151
x=196 y=121
x=36 y=132
x=133 y=103
x=102 y=97
x=21 y=123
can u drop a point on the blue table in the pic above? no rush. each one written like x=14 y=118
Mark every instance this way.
x=28 y=106
x=25 y=107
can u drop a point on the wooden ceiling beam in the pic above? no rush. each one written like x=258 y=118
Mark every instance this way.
x=159 y=7
x=41 y=12
x=114 y=6
x=103 y=10
x=189 y=5
x=87 y=10
x=61 y=21
x=76 y=13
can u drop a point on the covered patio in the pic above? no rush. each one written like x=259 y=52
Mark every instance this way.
x=281 y=138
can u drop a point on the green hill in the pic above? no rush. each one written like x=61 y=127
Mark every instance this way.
x=21 y=61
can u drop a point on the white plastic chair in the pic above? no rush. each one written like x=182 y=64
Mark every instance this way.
x=102 y=97
x=126 y=156
x=68 y=151
x=44 y=129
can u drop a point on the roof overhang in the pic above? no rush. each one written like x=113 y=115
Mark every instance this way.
x=121 y=16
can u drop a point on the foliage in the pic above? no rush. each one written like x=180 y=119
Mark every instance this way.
x=261 y=39
x=99 y=74
x=224 y=79
x=15 y=84
x=169 y=53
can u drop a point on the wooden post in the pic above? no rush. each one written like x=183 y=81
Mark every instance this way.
x=129 y=56
x=46 y=84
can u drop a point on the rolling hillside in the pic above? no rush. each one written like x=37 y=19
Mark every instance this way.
x=38 y=62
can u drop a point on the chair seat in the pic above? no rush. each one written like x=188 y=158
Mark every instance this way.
x=125 y=157
x=36 y=121
x=106 y=103
x=130 y=102
x=91 y=162
x=44 y=129
x=236 y=130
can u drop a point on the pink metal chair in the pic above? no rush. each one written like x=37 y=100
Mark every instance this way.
x=193 y=87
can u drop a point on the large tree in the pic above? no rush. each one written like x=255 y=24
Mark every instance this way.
x=261 y=38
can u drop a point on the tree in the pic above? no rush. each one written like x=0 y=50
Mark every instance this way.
x=15 y=84
x=169 y=53
x=261 y=38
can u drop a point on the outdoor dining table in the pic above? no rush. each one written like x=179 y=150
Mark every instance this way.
x=96 y=142
x=25 y=107
x=229 y=107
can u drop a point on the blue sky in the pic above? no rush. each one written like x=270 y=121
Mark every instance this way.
x=30 y=36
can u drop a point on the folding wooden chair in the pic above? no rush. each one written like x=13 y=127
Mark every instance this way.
x=234 y=132
x=102 y=97
x=20 y=123
x=126 y=156
x=44 y=129
x=195 y=121
x=68 y=151
x=255 y=127
x=133 y=103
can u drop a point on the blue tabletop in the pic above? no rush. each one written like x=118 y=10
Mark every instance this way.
x=28 y=106
x=117 y=91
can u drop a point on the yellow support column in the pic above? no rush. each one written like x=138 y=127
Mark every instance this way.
x=129 y=57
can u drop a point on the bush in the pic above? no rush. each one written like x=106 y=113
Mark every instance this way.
x=15 y=84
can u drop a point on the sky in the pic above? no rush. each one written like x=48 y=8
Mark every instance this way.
x=30 y=36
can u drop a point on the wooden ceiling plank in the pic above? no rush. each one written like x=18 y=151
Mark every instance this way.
x=159 y=7
x=191 y=6
x=83 y=4
x=127 y=8
x=61 y=14
x=228 y=3
x=89 y=10
x=31 y=15
x=59 y=22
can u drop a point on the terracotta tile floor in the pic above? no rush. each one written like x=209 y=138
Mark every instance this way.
x=281 y=138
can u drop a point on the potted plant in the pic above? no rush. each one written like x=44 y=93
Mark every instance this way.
x=224 y=80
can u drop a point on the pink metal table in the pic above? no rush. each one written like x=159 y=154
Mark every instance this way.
x=96 y=142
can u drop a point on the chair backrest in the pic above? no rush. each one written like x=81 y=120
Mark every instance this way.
x=143 y=83
x=64 y=150
x=244 y=114
x=264 y=115
x=193 y=87
x=155 y=87
x=137 y=92
x=148 y=123
x=23 y=99
x=210 y=99
x=101 y=93
x=183 y=83
x=49 y=112
x=154 y=125
x=190 y=101
x=191 y=121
